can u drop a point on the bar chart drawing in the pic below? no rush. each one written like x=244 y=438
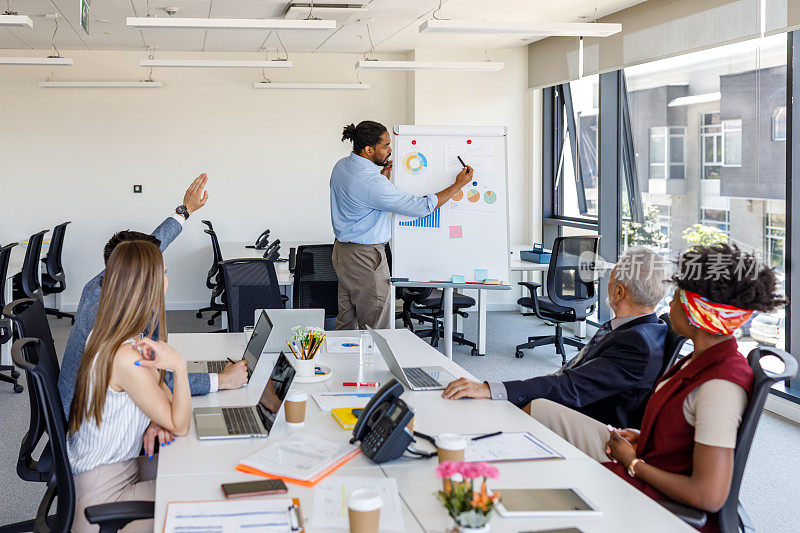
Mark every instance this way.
x=430 y=221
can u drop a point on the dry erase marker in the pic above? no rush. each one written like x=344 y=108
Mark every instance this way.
x=349 y=344
x=461 y=161
x=353 y=384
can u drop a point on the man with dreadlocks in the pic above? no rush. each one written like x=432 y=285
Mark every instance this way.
x=684 y=450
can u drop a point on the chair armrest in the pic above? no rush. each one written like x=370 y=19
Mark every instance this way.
x=531 y=285
x=690 y=515
x=118 y=514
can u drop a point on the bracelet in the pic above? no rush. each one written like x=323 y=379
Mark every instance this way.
x=632 y=466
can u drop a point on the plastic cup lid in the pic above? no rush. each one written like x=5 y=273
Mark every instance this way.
x=296 y=396
x=451 y=441
x=364 y=500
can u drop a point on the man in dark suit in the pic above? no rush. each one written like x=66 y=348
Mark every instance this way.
x=611 y=377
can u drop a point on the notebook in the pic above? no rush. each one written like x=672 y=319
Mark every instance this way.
x=345 y=417
x=223 y=516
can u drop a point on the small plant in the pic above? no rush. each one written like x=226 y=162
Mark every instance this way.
x=468 y=507
x=307 y=341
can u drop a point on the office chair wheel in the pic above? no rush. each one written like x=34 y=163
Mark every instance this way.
x=18 y=388
x=474 y=352
x=14 y=373
x=199 y=315
x=519 y=354
x=210 y=322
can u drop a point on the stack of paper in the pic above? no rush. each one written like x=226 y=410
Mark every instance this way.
x=508 y=446
x=328 y=401
x=299 y=458
x=330 y=502
x=231 y=515
x=334 y=344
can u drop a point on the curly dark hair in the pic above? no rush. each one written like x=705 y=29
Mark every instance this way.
x=724 y=274
x=367 y=133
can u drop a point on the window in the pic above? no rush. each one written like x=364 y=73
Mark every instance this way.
x=775 y=239
x=711 y=146
x=664 y=219
x=716 y=218
x=732 y=143
x=658 y=153
x=779 y=124
x=666 y=152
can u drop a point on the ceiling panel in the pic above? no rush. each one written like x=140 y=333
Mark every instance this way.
x=39 y=36
x=174 y=39
x=240 y=40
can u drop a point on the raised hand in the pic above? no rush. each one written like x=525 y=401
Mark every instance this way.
x=196 y=196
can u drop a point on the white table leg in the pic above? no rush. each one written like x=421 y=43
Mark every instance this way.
x=448 y=322
x=481 y=322
x=392 y=306
x=579 y=329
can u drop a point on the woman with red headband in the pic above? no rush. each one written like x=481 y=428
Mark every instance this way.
x=684 y=451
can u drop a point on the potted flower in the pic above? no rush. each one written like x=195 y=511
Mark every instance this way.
x=467 y=502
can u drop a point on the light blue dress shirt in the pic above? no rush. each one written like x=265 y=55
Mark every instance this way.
x=362 y=200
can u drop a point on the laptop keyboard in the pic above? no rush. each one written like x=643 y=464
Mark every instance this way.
x=216 y=367
x=420 y=378
x=240 y=421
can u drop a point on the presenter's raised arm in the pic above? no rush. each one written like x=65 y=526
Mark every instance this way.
x=464 y=177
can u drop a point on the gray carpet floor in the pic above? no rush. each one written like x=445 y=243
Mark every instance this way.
x=770 y=490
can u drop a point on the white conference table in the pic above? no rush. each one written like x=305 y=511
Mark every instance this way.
x=192 y=470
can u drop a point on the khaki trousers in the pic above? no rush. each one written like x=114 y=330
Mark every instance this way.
x=583 y=432
x=130 y=480
x=363 y=285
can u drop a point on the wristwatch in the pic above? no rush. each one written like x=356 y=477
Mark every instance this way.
x=182 y=211
x=632 y=466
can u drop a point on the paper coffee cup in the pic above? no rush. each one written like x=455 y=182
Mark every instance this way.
x=295 y=406
x=451 y=447
x=364 y=511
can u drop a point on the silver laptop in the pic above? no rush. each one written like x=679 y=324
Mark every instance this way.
x=282 y=321
x=252 y=420
x=254 y=349
x=415 y=377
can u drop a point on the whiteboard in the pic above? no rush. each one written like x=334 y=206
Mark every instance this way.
x=470 y=231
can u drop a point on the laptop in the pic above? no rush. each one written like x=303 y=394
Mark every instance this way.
x=254 y=349
x=415 y=378
x=282 y=321
x=252 y=420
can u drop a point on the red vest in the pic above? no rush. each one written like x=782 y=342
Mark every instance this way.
x=667 y=440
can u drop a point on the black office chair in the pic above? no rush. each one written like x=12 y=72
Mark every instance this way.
x=250 y=284
x=672 y=346
x=733 y=517
x=5 y=324
x=29 y=320
x=214 y=280
x=53 y=278
x=27 y=354
x=425 y=304
x=569 y=298
x=26 y=283
x=316 y=285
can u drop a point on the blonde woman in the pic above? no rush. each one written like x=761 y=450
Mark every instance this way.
x=120 y=388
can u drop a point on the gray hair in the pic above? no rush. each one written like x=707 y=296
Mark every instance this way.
x=644 y=274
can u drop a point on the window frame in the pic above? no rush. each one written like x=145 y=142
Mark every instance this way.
x=726 y=130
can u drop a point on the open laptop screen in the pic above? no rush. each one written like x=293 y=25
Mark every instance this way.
x=257 y=341
x=275 y=392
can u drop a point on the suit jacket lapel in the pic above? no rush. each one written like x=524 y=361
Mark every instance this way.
x=596 y=349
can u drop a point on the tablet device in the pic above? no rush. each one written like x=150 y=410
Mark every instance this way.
x=544 y=502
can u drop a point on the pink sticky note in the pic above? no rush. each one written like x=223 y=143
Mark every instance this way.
x=456 y=232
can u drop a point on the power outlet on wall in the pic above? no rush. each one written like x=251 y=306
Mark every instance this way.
x=137 y=189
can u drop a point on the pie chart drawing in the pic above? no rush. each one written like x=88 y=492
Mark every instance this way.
x=458 y=196
x=490 y=197
x=473 y=195
x=415 y=162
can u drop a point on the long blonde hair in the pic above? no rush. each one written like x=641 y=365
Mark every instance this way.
x=131 y=303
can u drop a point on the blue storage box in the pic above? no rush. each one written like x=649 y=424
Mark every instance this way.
x=537 y=255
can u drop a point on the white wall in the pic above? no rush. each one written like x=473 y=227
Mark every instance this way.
x=76 y=154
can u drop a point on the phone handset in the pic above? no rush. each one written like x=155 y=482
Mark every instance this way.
x=262 y=241
x=381 y=427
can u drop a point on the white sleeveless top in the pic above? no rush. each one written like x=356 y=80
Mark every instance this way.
x=117 y=439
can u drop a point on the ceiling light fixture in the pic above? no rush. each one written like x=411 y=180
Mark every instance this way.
x=15 y=21
x=470 y=66
x=37 y=61
x=532 y=29
x=214 y=63
x=101 y=84
x=229 y=24
x=293 y=85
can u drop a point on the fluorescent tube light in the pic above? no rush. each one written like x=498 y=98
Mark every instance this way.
x=15 y=21
x=230 y=24
x=213 y=63
x=533 y=29
x=336 y=86
x=100 y=84
x=695 y=99
x=477 y=66
x=37 y=61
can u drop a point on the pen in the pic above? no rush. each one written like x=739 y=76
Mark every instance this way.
x=353 y=384
x=231 y=360
x=349 y=344
x=479 y=437
x=461 y=161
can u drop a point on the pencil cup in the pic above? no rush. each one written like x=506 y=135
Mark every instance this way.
x=364 y=511
x=304 y=367
x=451 y=447
x=295 y=407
